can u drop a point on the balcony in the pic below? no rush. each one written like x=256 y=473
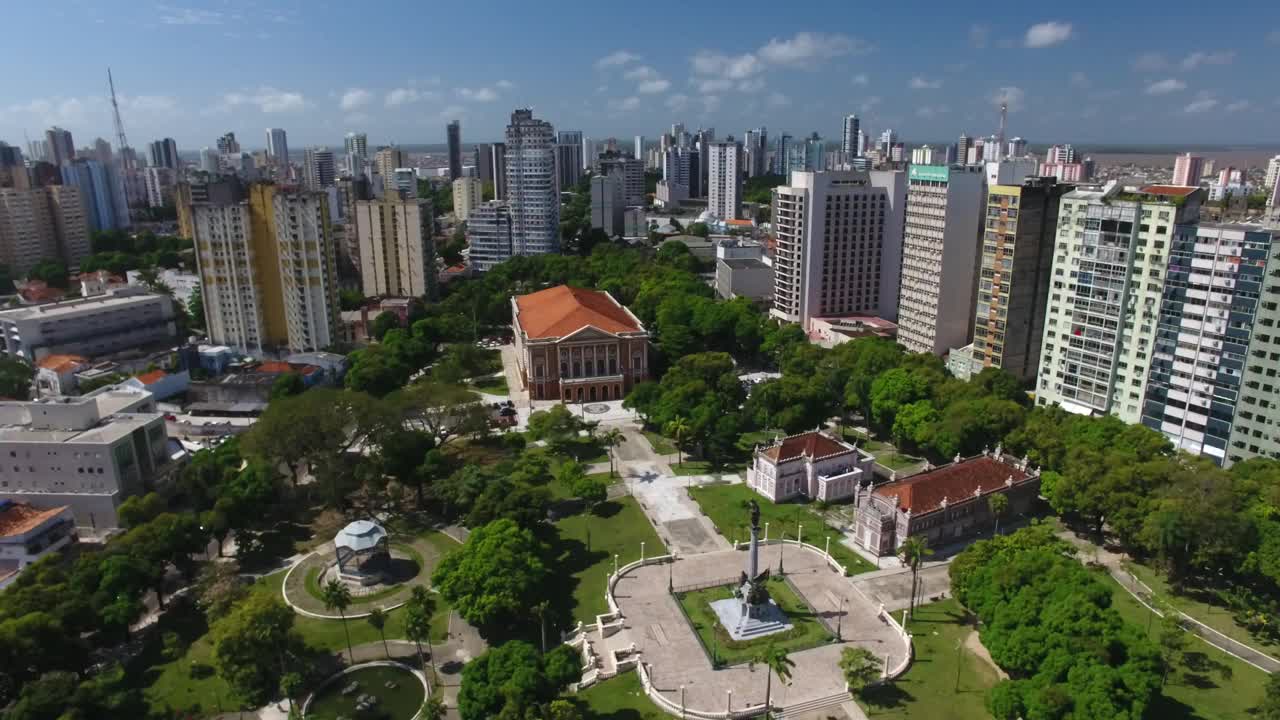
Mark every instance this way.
x=591 y=379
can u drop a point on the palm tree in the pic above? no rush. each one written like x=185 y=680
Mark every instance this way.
x=612 y=438
x=678 y=429
x=378 y=620
x=337 y=596
x=776 y=661
x=420 y=608
x=432 y=709
x=913 y=551
x=290 y=685
x=541 y=611
x=998 y=504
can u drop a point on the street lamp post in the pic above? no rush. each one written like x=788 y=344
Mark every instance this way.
x=799 y=533
x=671 y=564
x=766 y=532
x=839 y=621
x=728 y=709
x=828 y=551
x=615 y=563
x=681 y=701
x=641 y=551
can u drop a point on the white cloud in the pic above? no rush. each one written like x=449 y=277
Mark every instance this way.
x=1079 y=80
x=641 y=73
x=710 y=103
x=1273 y=37
x=602 y=89
x=1150 y=62
x=1164 y=87
x=861 y=79
x=616 y=59
x=806 y=47
x=869 y=104
x=678 y=102
x=169 y=15
x=483 y=94
x=921 y=83
x=732 y=67
x=978 y=35
x=712 y=85
x=1009 y=95
x=452 y=112
x=1203 y=102
x=752 y=85
x=406 y=95
x=930 y=111
x=1202 y=57
x=267 y=99
x=625 y=104
x=354 y=98
x=1047 y=34
x=504 y=84
x=1238 y=106
x=777 y=99
x=649 y=87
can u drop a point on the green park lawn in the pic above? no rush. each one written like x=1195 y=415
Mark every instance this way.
x=1197 y=688
x=616 y=527
x=727 y=506
x=807 y=630
x=492 y=385
x=619 y=698
x=660 y=444
x=1202 y=605
x=928 y=689
x=702 y=467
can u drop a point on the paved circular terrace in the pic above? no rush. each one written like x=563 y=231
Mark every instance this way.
x=671 y=649
x=315 y=569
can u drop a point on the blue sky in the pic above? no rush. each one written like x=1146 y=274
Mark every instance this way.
x=1083 y=72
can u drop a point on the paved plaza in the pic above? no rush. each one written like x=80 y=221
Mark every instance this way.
x=674 y=656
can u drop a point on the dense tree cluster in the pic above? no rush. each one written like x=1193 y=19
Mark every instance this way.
x=118 y=251
x=703 y=392
x=1050 y=625
x=514 y=682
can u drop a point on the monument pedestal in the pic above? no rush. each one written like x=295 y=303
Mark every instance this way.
x=749 y=622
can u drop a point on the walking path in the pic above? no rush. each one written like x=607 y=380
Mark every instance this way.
x=1114 y=563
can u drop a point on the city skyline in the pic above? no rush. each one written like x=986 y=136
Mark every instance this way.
x=1065 y=75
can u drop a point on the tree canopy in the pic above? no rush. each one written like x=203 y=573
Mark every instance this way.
x=495 y=577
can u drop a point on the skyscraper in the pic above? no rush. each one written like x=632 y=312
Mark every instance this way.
x=1258 y=405
x=164 y=154
x=267 y=270
x=569 y=158
x=632 y=173
x=102 y=151
x=387 y=160
x=454 y=132
x=397 y=246
x=962 y=148
x=40 y=223
x=61 y=148
x=468 y=193
x=839 y=246
x=227 y=144
x=208 y=160
x=939 y=257
x=638 y=151
x=606 y=203
x=1014 y=275
x=1188 y=169
x=498 y=164
x=724 y=179
x=319 y=170
x=1100 y=331
x=278 y=148
x=102 y=192
x=589 y=156
x=490 y=235
x=357 y=143
x=849 y=139
x=1272 y=178
x=781 y=148
x=531 y=184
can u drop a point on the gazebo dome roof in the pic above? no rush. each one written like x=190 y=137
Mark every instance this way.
x=360 y=535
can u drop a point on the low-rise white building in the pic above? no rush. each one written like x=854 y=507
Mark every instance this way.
x=29 y=533
x=183 y=284
x=121 y=319
x=813 y=464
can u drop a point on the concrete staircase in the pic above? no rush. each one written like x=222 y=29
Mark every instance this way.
x=821 y=703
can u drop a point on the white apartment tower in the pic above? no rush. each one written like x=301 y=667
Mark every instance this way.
x=397 y=250
x=468 y=193
x=1109 y=268
x=839 y=236
x=724 y=179
x=940 y=253
x=319 y=168
x=531 y=185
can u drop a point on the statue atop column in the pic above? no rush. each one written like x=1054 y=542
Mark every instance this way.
x=753 y=591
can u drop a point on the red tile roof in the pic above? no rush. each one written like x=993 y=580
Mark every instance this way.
x=925 y=492
x=812 y=444
x=563 y=310
x=1176 y=190
x=152 y=377
x=739 y=223
x=61 y=363
x=21 y=518
x=279 y=368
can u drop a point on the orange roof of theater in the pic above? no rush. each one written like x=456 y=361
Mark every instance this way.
x=925 y=492
x=563 y=310
x=812 y=444
x=21 y=518
x=61 y=363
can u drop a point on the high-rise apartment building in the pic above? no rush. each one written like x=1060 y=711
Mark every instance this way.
x=1015 y=274
x=940 y=247
x=490 y=235
x=531 y=185
x=397 y=249
x=569 y=158
x=839 y=244
x=607 y=203
x=724 y=180
x=101 y=190
x=637 y=148
x=962 y=148
x=267 y=270
x=1254 y=430
x=208 y=160
x=632 y=173
x=356 y=143
x=590 y=154
x=278 y=148
x=1109 y=269
x=1272 y=178
x=491 y=165
x=756 y=150
x=159 y=182
x=1208 y=334
x=468 y=193
x=1016 y=148
x=319 y=171
x=781 y=148
x=1061 y=154
x=41 y=223
x=61 y=148
x=1188 y=169
x=849 y=138
x=923 y=155
x=227 y=144
x=387 y=160
x=164 y=154
x=454 y=132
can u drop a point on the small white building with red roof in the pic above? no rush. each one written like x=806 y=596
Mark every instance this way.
x=815 y=465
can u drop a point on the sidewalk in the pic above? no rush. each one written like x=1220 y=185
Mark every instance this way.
x=1114 y=563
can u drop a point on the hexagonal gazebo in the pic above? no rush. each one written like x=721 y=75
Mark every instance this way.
x=363 y=552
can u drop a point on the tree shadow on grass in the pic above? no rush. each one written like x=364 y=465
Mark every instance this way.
x=886 y=697
x=1166 y=708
